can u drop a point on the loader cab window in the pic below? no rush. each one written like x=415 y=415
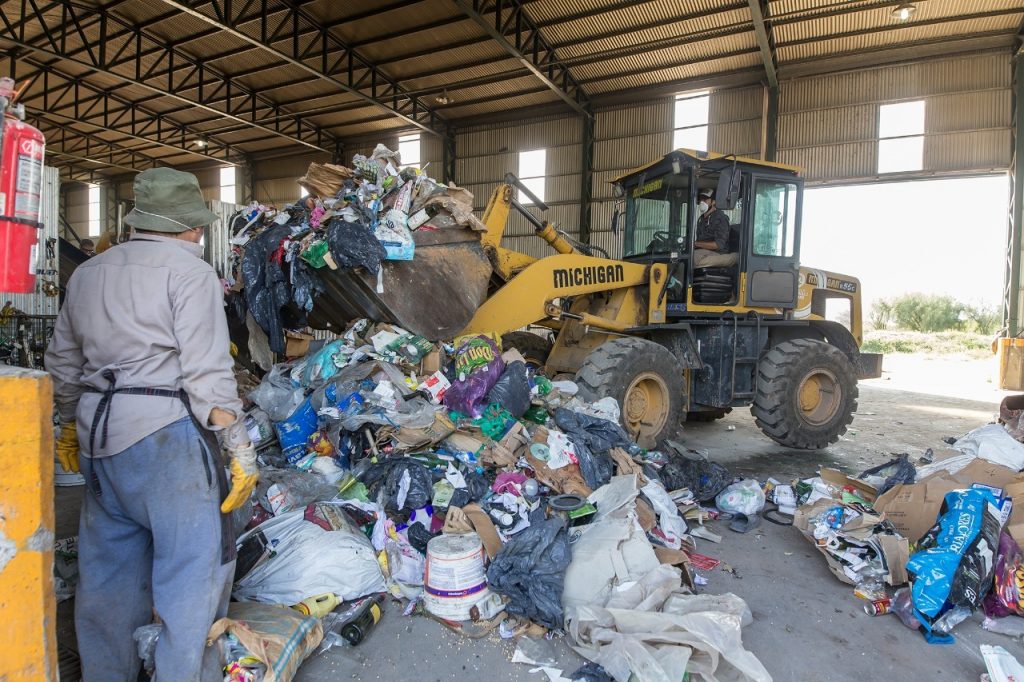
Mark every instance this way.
x=656 y=215
x=775 y=209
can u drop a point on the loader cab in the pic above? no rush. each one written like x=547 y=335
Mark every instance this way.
x=762 y=202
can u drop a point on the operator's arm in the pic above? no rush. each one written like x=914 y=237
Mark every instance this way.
x=710 y=246
x=720 y=231
x=64 y=361
x=201 y=330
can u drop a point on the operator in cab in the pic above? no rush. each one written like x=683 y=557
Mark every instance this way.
x=711 y=243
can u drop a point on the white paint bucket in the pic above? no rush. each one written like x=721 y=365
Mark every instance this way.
x=454 y=580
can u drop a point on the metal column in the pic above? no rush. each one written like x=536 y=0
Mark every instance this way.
x=586 y=175
x=448 y=154
x=771 y=123
x=1012 y=292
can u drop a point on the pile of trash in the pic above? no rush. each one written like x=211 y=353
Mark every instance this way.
x=931 y=541
x=463 y=483
x=353 y=220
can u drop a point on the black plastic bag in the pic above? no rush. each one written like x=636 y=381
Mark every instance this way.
x=704 y=478
x=530 y=571
x=590 y=672
x=306 y=284
x=477 y=486
x=512 y=391
x=266 y=287
x=419 y=537
x=591 y=438
x=897 y=471
x=354 y=245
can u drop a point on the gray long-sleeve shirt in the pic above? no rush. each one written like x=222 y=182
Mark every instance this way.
x=152 y=311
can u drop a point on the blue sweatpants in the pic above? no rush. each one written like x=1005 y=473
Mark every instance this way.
x=150 y=538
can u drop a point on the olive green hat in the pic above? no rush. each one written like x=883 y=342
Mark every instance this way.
x=167 y=200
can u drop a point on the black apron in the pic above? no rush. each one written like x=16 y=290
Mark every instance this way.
x=209 y=438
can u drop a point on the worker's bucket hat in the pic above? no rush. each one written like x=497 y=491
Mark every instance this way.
x=167 y=200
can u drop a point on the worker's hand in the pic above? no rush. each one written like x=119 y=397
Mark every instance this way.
x=244 y=476
x=67 y=447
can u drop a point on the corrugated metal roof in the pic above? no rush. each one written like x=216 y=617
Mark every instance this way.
x=428 y=46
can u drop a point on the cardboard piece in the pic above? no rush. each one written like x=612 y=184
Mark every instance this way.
x=473 y=519
x=1015 y=527
x=837 y=479
x=296 y=344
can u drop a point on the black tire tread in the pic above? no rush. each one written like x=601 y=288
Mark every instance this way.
x=604 y=368
x=774 y=403
x=532 y=347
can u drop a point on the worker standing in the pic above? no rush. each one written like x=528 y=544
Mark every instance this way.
x=140 y=361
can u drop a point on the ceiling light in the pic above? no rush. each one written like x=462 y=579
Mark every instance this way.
x=443 y=98
x=904 y=11
x=201 y=142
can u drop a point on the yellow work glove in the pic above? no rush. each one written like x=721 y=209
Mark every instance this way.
x=67 y=447
x=244 y=476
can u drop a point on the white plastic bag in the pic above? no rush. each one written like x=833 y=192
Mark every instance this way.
x=310 y=560
x=745 y=497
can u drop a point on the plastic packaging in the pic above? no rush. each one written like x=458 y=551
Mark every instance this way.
x=705 y=479
x=277 y=395
x=478 y=366
x=903 y=607
x=592 y=438
x=512 y=390
x=530 y=571
x=409 y=485
x=1012 y=626
x=294 y=432
x=952 y=567
x=1001 y=664
x=145 y=637
x=315 y=550
x=1007 y=597
x=276 y=635
x=744 y=497
x=894 y=472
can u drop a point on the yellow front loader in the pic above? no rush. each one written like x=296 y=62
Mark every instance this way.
x=668 y=340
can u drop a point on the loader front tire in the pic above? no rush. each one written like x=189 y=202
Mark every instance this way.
x=534 y=349
x=806 y=394
x=646 y=380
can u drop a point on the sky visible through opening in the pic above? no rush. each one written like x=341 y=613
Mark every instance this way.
x=928 y=236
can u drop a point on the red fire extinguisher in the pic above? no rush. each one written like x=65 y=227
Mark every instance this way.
x=21 y=188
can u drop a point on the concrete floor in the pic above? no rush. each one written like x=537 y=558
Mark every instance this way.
x=807 y=625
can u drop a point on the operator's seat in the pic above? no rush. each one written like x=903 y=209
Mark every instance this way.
x=714 y=283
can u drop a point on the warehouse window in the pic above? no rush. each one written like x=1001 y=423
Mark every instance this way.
x=409 y=149
x=532 y=167
x=691 y=121
x=901 y=137
x=227 y=185
x=95 y=211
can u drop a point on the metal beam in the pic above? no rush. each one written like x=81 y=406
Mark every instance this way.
x=764 y=42
x=1013 y=297
x=586 y=175
x=449 y=154
x=527 y=46
x=67 y=140
x=313 y=56
x=61 y=96
x=112 y=45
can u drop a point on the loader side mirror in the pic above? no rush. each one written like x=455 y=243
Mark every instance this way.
x=616 y=214
x=728 y=190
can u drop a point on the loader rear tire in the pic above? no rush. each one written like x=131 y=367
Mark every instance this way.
x=534 y=349
x=806 y=394
x=646 y=380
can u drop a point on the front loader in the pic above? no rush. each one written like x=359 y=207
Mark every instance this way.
x=669 y=341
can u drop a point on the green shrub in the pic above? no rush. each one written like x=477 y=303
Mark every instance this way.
x=983 y=319
x=881 y=314
x=927 y=313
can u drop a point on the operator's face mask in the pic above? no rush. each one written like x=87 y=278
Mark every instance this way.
x=702 y=207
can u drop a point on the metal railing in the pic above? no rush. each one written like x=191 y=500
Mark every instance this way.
x=24 y=338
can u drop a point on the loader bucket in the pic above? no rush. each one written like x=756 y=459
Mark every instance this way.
x=434 y=295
